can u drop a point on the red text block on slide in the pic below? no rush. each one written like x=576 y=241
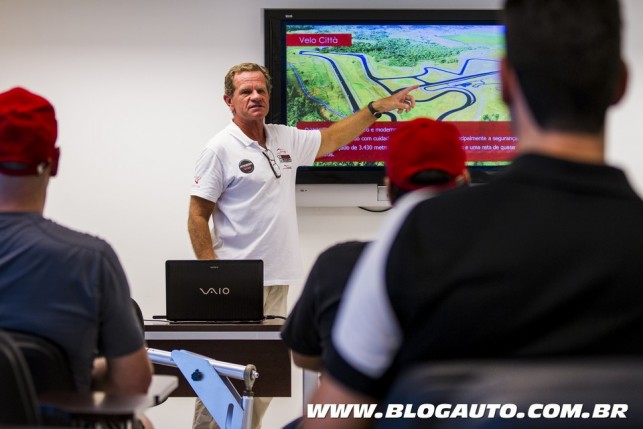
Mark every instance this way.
x=483 y=142
x=301 y=39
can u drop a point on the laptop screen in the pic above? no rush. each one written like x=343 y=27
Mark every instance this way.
x=214 y=290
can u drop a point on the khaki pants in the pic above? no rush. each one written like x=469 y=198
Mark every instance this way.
x=275 y=302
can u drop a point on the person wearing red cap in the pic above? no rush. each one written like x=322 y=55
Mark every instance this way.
x=57 y=283
x=422 y=154
x=542 y=262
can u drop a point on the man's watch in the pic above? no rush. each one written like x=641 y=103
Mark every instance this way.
x=373 y=111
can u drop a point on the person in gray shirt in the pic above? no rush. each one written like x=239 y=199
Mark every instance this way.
x=60 y=284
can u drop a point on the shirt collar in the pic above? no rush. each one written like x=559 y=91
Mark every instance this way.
x=563 y=174
x=236 y=132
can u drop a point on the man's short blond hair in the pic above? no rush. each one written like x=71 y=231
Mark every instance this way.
x=245 y=67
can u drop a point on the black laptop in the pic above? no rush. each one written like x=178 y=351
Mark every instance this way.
x=214 y=291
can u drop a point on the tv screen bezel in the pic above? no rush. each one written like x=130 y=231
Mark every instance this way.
x=275 y=46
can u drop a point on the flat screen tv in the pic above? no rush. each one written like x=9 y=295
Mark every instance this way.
x=328 y=63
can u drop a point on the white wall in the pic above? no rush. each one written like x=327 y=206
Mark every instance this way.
x=138 y=86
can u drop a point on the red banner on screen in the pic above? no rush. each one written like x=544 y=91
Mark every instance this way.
x=487 y=141
x=319 y=39
x=484 y=142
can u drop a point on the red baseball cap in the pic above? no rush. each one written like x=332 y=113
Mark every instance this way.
x=424 y=144
x=28 y=132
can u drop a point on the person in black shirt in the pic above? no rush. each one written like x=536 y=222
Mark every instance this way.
x=541 y=262
x=422 y=154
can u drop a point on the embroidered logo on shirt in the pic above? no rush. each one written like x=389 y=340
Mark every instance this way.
x=284 y=158
x=197 y=179
x=246 y=166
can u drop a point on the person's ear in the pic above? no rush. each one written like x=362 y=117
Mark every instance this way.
x=507 y=81
x=466 y=176
x=54 y=162
x=228 y=101
x=621 y=84
x=387 y=183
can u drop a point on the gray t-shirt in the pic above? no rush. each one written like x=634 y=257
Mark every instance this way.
x=68 y=287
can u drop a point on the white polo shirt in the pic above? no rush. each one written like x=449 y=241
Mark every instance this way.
x=255 y=215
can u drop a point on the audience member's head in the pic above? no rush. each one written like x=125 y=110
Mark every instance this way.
x=28 y=132
x=569 y=69
x=424 y=153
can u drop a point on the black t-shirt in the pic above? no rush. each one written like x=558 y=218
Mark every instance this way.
x=308 y=328
x=543 y=261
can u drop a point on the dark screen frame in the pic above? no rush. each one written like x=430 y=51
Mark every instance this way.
x=275 y=49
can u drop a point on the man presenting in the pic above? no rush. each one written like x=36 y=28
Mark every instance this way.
x=245 y=182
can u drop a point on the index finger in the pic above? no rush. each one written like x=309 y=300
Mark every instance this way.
x=409 y=89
